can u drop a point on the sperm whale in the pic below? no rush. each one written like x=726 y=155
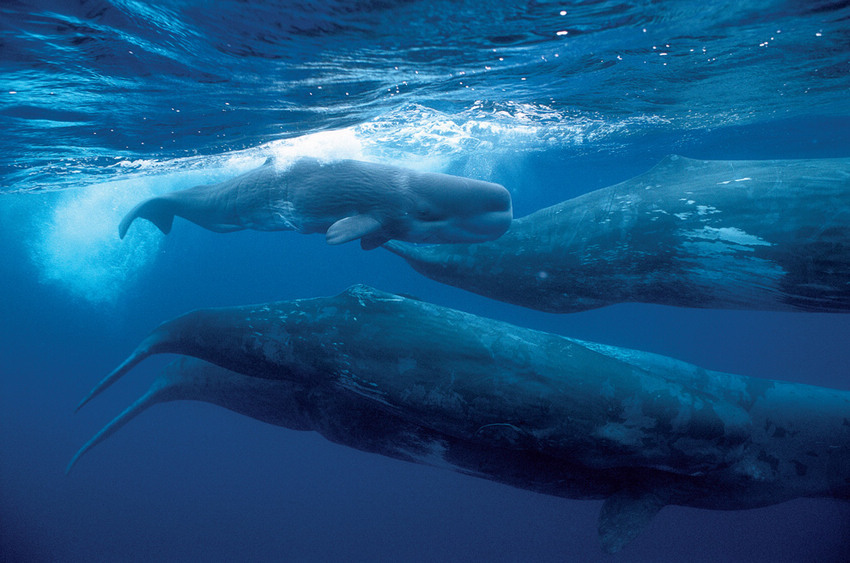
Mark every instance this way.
x=411 y=380
x=344 y=199
x=731 y=234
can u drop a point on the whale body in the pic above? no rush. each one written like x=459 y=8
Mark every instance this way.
x=344 y=199
x=411 y=380
x=761 y=235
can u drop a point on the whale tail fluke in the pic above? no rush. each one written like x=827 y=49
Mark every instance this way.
x=150 y=345
x=157 y=210
x=163 y=389
x=625 y=514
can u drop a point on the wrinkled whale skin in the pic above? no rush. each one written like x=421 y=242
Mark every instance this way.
x=399 y=377
x=761 y=235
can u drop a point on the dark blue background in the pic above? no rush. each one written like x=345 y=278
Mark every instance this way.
x=96 y=89
x=189 y=481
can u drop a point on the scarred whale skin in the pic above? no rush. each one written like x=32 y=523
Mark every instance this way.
x=344 y=199
x=411 y=380
x=762 y=235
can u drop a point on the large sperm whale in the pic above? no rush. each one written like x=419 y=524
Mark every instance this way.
x=344 y=199
x=415 y=381
x=770 y=235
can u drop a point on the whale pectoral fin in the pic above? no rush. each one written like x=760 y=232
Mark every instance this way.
x=351 y=228
x=371 y=242
x=158 y=211
x=625 y=514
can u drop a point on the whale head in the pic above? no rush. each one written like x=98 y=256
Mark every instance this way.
x=456 y=210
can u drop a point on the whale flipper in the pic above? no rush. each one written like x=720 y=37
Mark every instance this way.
x=373 y=241
x=624 y=515
x=353 y=227
x=158 y=211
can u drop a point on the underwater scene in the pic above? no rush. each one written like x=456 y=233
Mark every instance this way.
x=424 y=280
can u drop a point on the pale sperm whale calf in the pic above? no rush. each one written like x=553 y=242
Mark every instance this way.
x=749 y=234
x=407 y=379
x=344 y=199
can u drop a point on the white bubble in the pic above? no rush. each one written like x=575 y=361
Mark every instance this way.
x=327 y=146
x=79 y=249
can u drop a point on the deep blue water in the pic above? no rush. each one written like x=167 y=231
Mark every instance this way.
x=105 y=103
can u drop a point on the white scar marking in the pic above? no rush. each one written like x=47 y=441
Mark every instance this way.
x=734 y=180
x=706 y=209
x=727 y=234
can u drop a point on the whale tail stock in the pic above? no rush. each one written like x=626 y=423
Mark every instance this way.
x=157 y=210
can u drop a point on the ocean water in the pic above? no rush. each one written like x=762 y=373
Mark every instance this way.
x=103 y=104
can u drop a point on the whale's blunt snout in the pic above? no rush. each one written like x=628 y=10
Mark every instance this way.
x=499 y=199
x=486 y=212
x=479 y=228
x=451 y=209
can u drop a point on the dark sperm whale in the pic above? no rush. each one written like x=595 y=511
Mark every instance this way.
x=763 y=235
x=415 y=381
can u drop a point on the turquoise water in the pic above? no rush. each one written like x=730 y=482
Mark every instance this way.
x=106 y=103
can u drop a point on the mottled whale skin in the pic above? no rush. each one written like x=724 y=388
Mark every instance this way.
x=415 y=381
x=761 y=235
x=344 y=199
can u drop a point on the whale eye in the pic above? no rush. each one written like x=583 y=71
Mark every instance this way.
x=426 y=215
